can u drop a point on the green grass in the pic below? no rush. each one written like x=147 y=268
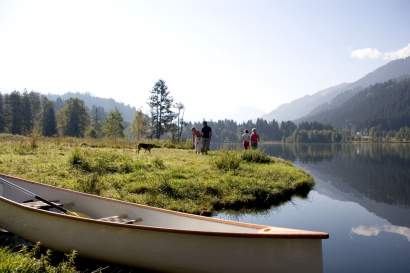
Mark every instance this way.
x=176 y=179
x=33 y=260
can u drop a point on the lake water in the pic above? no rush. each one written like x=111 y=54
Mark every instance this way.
x=361 y=197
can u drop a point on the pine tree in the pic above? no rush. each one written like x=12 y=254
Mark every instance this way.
x=113 y=126
x=48 y=121
x=59 y=103
x=73 y=118
x=26 y=114
x=7 y=113
x=97 y=119
x=2 y=121
x=36 y=109
x=15 y=111
x=139 y=125
x=160 y=103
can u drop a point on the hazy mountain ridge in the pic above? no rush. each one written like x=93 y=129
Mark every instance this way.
x=302 y=106
x=110 y=104
x=385 y=105
x=308 y=106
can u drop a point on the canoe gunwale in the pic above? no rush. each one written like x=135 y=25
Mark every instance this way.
x=290 y=235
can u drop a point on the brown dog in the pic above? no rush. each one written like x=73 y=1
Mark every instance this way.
x=146 y=147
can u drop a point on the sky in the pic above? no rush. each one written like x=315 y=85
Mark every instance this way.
x=221 y=58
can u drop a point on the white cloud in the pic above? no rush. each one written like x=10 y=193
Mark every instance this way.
x=374 y=53
x=366 y=53
x=398 y=54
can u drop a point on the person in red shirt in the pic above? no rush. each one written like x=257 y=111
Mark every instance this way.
x=254 y=139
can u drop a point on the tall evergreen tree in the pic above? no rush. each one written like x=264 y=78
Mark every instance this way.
x=36 y=108
x=139 y=125
x=160 y=103
x=26 y=114
x=73 y=118
x=7 y=113
x=113 y=126
x=59 y=103
x=48 y=121
x=2 y=122
x=97 y=119
x=15 y=111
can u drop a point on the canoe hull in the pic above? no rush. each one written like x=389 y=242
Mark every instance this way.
x=163 y=251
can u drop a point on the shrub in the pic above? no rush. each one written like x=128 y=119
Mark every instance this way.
x=158 y=163
x=79 y=161
x=256 y=156
x=228 y=161
x=24 y=149
x=91 y=184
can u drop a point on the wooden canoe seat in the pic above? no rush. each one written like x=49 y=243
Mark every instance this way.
x=40 y=204
x=120 y=220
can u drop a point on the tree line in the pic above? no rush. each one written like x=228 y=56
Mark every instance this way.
x=26 y=112
x=285 y=131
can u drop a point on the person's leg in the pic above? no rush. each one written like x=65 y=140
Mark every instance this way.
x=203 y=145
x=198 y=146
x=206 y=145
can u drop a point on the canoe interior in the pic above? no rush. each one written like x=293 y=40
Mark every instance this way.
x=96 y=208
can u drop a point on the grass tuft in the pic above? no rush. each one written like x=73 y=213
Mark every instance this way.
x=227 y=161
x=256 y=156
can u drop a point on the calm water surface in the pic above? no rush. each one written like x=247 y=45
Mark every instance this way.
x=361 y=197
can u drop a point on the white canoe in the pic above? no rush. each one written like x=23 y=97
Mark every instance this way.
x=159 y=239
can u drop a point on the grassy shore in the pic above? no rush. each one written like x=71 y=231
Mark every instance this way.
x=176 y=179
x=171 y=178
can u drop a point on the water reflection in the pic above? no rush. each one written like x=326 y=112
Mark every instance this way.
x=361 y=197
x=375 y=176
x=369 y=231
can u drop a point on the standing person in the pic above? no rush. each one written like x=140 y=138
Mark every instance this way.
x=196 y=138
x=193 y=137
x=254 y=139
x=246 y=138
x=206 y=137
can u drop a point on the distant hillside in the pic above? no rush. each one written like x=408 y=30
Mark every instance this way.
x=302 y=106
x=126 y=111
x=386 y=105
x=333 y=97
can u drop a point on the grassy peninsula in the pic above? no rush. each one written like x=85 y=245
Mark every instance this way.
x=176 y=179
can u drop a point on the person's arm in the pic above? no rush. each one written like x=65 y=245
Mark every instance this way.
x=210 y=132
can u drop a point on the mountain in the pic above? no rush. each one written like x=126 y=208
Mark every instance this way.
x=302 y=106
x=126 y=111
x=333 y=97
x=384 y=105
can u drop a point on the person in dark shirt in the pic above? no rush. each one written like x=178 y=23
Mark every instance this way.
x=206 y=137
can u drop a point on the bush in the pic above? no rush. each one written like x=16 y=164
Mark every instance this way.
x=79 y=161
x=91 y=184
x=158 y=163
x=228 y=161
x=256 y=156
